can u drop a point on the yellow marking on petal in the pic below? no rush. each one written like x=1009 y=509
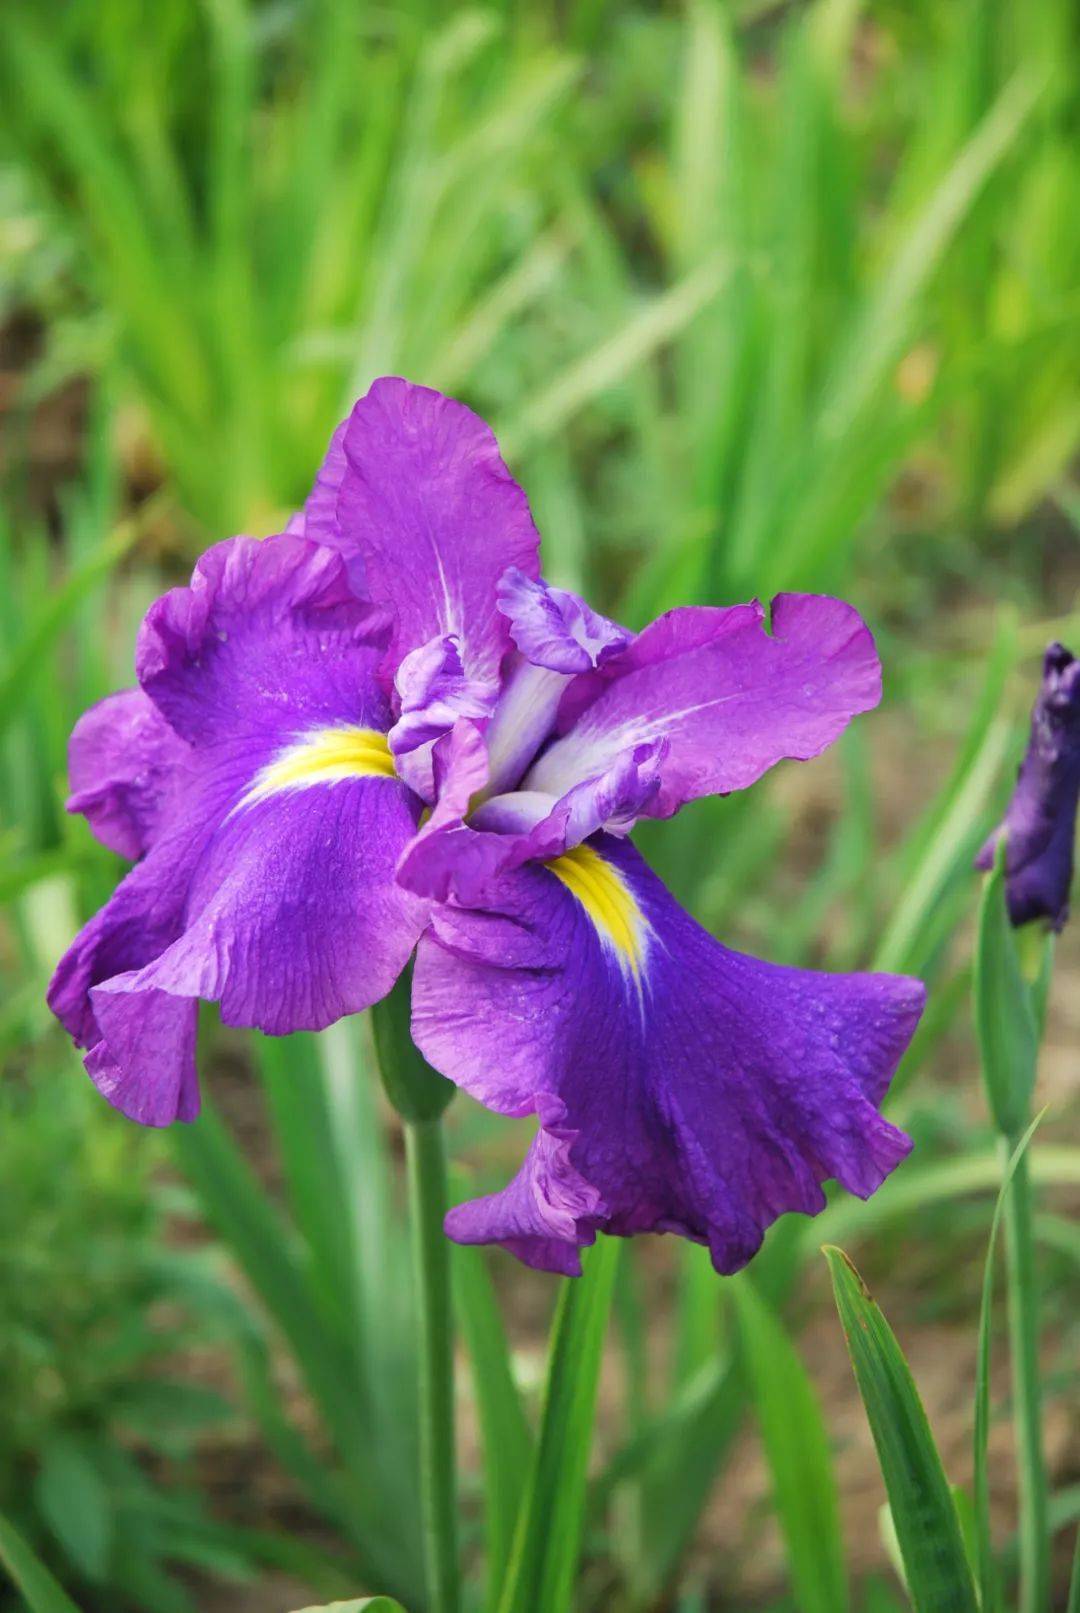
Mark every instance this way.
x=324 y=756
x=607 y=899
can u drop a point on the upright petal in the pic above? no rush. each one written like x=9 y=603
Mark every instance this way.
x=436 y=517
x=433 y=693
x=679 y=1086
x=318 y=518
x=729 y=698
x=267 y=638
x=123 y=760
x=555 y=628
x=556 y=635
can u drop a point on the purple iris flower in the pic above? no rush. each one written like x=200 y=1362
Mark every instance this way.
x=1040 y=820
x=381 y=732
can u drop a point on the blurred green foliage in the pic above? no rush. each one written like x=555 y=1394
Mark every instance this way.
x=99 y=1415
x=757 y=296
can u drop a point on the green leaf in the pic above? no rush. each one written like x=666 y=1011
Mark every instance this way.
x=548 y=1542
x=941 y=848
x=74 y=1502
x=879 y=330
x=655 y=324
x=366 y=1604
x=28 y=658
x=39 y=1589
x=988 y=1587
x=921 y=1187
x=508 y=1444
x=797 y=1447
x=1004 y=1018
x=268 y=1252
x=921 y=1503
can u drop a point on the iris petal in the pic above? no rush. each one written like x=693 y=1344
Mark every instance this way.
x=705 y=1093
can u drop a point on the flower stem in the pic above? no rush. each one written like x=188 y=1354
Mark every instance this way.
x=431 y=1267
x=1027 y=1408
x=420 y=1096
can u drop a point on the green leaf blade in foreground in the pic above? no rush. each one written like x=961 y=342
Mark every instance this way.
x=507 y=1440
x=921 y=1502
x=988 y=1586
x=40 y=1590
x=543 y=1567
x=797 y=1448
x=366 y=1604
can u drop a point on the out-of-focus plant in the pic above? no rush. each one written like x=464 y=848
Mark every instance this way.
x=738 y=216
x=97 y=1430
x=272 y=212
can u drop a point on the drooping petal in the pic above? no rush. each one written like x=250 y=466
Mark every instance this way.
x=282 y=906
x=123 y=759
x=1040 y=820
x=730 y=698
x=293 y=917
x=680 y=1087
x=270 y=882
x=143 y=1061
x=143 y=916
x=436 y=517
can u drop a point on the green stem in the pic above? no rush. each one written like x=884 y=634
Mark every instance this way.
x=420 y=1096
x=426 y=1156
x=1027 y=1409
x=1074 y=1583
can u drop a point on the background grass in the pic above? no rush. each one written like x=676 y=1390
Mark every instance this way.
x=757 y=296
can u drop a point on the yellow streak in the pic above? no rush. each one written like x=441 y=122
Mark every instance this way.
x=325 y=756
x=607 y=899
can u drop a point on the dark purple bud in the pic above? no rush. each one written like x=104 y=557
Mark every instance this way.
x=1040 y=820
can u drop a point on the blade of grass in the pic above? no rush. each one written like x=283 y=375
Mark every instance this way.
x=880 y=328
x=235 y=1203
x=1008 y=1054
x=32 y=1578
x=29 y=655
x=508 y=1444
x=542 y=1569
x=1004 y=1016
x=1027 y=1391
x=366 y=1604
x=682 y=1417
x=797 y=1448
x=947 y=836
x=989 y=1590
x=938 y=1183
x=920 y=1500
x=655 y=324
